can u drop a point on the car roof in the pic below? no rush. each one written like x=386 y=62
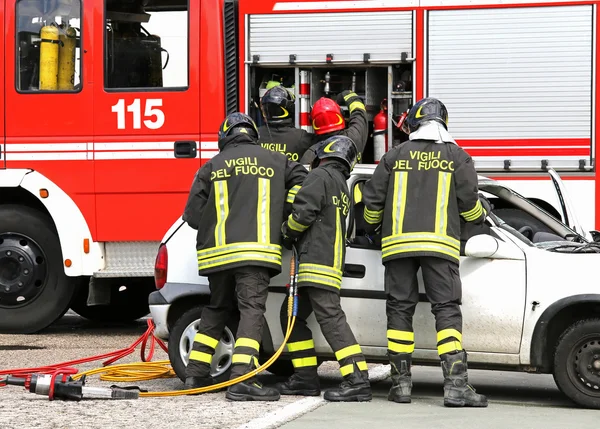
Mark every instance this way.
x=368 y=169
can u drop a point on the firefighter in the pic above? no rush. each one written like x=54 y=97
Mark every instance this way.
x=318 y=219
x=279 y=134
x=419 y=191
x=236 y=204
x=327 y=119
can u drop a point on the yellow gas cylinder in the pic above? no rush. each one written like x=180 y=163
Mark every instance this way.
x=66 y=60
x=49 y=58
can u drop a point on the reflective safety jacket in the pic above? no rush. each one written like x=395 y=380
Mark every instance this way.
x=290 y=141
x=237 y=205
x=419 y=190
x=319 y=217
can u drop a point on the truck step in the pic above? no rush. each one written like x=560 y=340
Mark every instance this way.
x=129 y=259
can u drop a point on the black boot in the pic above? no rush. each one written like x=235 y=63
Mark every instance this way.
x=354 y=388
x=251 y=390
x=196 y=382
x=303 y=382
x=401 y=378
x=457 y=390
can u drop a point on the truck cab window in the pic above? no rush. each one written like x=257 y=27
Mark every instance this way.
x=48 y=45
x=146 y=44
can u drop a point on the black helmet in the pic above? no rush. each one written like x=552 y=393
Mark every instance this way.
x=427 y=109
x=339 y=147
x=277 y=105
x=238 y=123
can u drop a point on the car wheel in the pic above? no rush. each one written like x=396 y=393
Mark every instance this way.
x=125 y=305
x=35 y=291
x=577 y=363
x=181 y=340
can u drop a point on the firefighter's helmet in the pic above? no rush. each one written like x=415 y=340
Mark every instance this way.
x=277 y=105
x=327 y=116
x=238 y=123
x=338 y=147
x=427 y=109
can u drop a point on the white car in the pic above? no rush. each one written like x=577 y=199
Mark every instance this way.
x=531 y=301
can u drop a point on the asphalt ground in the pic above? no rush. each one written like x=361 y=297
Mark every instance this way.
x=516 y=400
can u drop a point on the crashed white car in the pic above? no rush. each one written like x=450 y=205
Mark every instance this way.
x=531 y=301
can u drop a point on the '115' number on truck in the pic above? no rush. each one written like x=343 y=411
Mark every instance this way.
x=151 y=110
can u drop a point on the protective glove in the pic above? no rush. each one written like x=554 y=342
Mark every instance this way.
x=486 y=204
x=348 y=98
x=287 y=241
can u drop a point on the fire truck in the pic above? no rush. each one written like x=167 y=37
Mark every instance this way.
x=109 y=107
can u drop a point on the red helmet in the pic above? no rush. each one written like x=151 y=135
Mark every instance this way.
x=327 y=116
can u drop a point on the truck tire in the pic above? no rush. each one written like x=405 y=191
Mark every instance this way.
x=34 y=290
x=577 y=363
x=125 y=306
x=181 y=340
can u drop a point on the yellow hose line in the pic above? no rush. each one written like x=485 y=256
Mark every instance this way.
x=143 y=371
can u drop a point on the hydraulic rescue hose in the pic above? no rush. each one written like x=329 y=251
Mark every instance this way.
x=143 y=371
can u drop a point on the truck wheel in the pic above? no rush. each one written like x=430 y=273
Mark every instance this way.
x=577 y=363
x=125 y=306
x=181 y=340
x=34 y=290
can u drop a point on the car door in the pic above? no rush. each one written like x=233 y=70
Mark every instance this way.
x=493 y=304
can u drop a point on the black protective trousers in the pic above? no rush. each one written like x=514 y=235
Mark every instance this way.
x=444 y=291
x=250 y=286
x=332 y=319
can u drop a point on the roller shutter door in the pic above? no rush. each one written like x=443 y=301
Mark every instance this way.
x=348 y=36
x=515 y=75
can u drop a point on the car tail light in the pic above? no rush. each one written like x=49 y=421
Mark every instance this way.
x=161 y=267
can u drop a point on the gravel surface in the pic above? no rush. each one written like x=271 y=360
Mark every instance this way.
x=73 y=338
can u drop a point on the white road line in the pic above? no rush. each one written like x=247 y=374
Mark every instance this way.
x=305 y=405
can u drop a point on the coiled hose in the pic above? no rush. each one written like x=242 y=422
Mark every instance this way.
x=143 y=371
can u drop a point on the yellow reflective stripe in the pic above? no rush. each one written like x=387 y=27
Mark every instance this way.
x=222 y=207
x=421 y=236
x=247 y=342
x=448 y=333
x=348 y=351
x=292 y=193
x=337 y=247
x=357 y=194
x=302 y=362
x=350 y=95
x=420 y=247
x=200 y=357
x=239 y=257
x=240 y=358
x=474 y=213
x=234 y=247
x=372 y=216
x=296 y=226
x=452 y=346
x=206 y=340
x=393 y=334
x=349 y=369
x=401 y=348
x=399 y=204
x=319 y=279
x=356 y=105
x=263 y=210
x=298 y=346
x=307 y=268
x=441 y=207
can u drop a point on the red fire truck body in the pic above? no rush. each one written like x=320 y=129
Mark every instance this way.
x=104 y=124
